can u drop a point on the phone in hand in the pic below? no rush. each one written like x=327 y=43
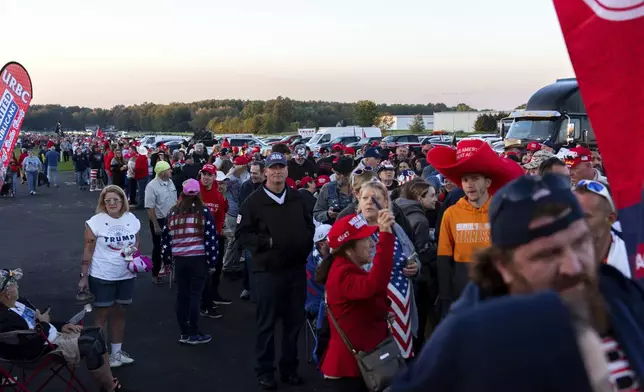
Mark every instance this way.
x=375 y=201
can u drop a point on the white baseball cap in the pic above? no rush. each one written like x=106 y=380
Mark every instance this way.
x=321 y=232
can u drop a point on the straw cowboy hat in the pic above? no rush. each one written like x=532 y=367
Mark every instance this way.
x=473 y=156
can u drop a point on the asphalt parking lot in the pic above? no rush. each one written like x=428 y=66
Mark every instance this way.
x=43 y=235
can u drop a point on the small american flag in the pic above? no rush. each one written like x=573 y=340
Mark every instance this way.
x=399 y=292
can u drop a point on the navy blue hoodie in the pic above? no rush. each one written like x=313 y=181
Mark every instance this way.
x=625 y=302
x=518 y=343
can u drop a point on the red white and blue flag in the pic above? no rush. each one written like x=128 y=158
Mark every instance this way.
x=605 y=42
x=399 y=293
x=15 y=97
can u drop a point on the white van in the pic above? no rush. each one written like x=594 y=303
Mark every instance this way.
x=150 y=141
x=326 y=135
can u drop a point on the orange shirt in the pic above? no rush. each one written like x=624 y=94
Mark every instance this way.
x=464 y=229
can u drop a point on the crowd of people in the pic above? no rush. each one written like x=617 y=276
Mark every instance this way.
x=387 y=244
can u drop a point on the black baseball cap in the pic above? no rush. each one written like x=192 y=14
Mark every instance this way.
x=513 y=206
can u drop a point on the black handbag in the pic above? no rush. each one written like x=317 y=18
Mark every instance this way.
x=377 y=367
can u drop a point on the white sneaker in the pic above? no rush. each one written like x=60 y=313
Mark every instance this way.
x=120 y=358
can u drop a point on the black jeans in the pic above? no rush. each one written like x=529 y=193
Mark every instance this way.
x=156 y=248
x=211 y=289
x=132 y=190
x=279 y=294
x=190 y=273
x=347 y=384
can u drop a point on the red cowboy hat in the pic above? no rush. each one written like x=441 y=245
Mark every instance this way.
x=473 y=156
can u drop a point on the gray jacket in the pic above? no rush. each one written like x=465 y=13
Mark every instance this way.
x=329 y=194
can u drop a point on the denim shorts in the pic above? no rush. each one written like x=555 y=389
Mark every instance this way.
x=108 y=292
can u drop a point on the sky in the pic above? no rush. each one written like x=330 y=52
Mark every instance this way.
x=486 y=53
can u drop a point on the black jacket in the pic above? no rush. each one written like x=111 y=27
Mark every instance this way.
x=309 y=200
x=279 y=236
x=297 y=171
x=246 y=189
x=29 y=346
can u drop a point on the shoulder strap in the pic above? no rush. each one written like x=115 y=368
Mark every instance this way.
x=337 y=327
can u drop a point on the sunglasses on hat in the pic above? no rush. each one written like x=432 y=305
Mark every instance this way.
x=597 y=188
x=530 y=188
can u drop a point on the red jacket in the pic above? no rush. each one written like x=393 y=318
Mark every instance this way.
x=217 y=204
x=358 y=300
x=107 y=159
x=141 y=167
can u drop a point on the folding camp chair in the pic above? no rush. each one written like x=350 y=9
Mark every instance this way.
x=48 y=360
x=310 y=333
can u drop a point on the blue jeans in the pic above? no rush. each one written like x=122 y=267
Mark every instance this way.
x=190 y=273
x=52 y=175
x=14 y=185
x=80 y=181
x=141 y=184
x=32 y=180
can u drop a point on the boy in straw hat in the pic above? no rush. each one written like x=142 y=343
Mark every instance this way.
x=465 y=227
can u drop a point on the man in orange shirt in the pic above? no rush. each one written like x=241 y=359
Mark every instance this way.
x=465 y=226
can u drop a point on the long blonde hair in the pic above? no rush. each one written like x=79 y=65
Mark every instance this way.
x=125 y=207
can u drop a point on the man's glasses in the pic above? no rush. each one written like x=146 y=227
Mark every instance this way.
x=526 y=188
x=597 y=188
x=112 y=201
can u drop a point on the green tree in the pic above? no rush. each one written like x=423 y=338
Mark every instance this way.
x=385 y=122
x=463 y=107
x=366 y=113
x=523 y=106
x=417 y=125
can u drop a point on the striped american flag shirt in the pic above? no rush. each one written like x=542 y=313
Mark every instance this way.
x=182 y=238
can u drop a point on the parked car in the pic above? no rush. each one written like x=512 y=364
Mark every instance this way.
x=365 y=140
x=344 y=140
x=398 y=140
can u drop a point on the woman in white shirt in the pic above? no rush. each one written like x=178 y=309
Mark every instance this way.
x=104 y=269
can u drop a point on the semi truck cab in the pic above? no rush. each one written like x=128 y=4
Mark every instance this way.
x=556 y=113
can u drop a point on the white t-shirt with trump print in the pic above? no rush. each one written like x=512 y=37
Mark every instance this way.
x=112 y=235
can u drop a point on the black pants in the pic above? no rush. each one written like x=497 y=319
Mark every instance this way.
x=279 y=294
x=211 y=289
x=132 y=189
x=156 y=248
x=66 y=156
x=423 y=305
x=347 y=384
x=191 y=273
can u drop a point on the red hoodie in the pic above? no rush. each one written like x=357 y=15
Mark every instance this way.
x=107 y=159
x=217 y=204
x=141 y=167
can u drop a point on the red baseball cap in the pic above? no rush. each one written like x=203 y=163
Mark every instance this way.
x=337 y=147
x=209 y=168
x=290 y=183
x=349 y=150
x=349 y=228
x=321 y=180
x=241 y=160
x=305 y=180
x=578 y=155
x=533 y=146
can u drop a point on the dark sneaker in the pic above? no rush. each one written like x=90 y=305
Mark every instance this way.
x=211 y=313
x=291 y=379
x=183 y=339
x=267 y=383
x=198 y=339
x=245 y=295
x=219 y=300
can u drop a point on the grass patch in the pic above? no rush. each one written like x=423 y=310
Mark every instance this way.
x=66 y=166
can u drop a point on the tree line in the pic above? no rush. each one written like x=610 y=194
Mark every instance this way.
x=226 y=116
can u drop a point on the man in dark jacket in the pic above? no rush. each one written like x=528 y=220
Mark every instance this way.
x=249 y=186
x=273 y=224
x=540 y=242
x=300 y=167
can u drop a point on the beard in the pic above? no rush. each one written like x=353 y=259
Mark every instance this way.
x=580 y=293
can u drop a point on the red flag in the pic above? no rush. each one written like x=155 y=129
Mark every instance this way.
x=605 y=42
x=99 y=133
x=15 y=97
